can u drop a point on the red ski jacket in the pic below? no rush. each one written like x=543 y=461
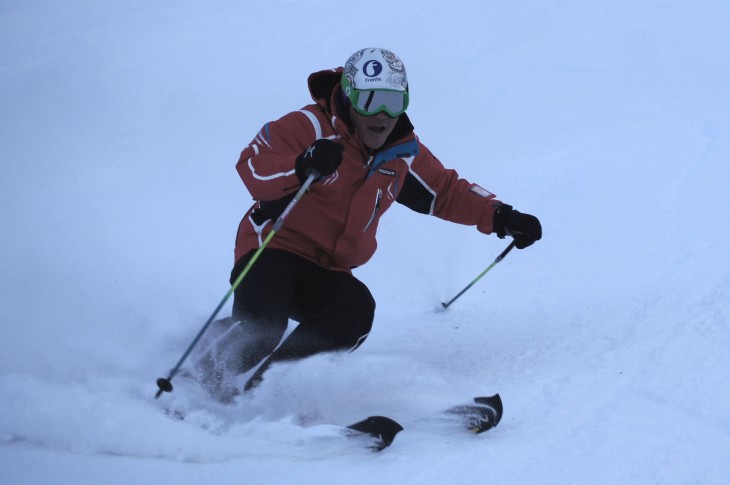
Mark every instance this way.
x=335 y=223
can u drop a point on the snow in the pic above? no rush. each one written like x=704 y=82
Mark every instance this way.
x=607 y=340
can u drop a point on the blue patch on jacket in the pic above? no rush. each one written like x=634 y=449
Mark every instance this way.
x=404 y=150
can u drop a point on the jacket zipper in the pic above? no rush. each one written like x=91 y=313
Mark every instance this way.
x=375 y=210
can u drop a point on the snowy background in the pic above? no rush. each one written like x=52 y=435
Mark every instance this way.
x=120 y=125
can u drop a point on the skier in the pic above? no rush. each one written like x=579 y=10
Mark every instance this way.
x=358 y=141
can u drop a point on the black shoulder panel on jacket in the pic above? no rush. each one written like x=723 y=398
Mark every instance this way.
x=415 y=196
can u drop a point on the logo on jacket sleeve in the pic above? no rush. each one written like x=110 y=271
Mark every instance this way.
x=386 y=171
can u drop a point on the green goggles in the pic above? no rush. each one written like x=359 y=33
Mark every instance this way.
x=369 y=102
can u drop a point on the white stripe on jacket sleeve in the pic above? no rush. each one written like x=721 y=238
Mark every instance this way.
x=317 y=135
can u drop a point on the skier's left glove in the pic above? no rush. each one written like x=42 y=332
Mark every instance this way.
x=525 y=229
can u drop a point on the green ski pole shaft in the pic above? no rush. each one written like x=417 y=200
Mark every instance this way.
x=165 y=384
x=499 y=258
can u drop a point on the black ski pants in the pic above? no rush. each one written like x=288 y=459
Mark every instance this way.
x=334 y=309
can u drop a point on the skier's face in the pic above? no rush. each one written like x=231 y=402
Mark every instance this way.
x=372 y=130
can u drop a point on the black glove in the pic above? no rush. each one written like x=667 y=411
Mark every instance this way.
x=323 y=156
x=524 y=228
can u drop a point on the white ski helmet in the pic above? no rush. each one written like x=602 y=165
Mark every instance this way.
x=375 y=68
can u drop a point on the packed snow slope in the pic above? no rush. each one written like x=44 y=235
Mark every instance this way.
x=121 y=123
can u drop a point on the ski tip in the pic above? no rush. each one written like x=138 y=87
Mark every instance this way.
x=382 y=428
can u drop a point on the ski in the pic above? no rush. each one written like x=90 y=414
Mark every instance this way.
x=381 y=428
x=483 y=415
x=379 y=432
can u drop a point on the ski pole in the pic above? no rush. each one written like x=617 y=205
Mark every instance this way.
x=165 y=384
x=499 y=258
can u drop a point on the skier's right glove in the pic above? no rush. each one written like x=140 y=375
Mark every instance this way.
x=524 y=228
x=322 y=156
